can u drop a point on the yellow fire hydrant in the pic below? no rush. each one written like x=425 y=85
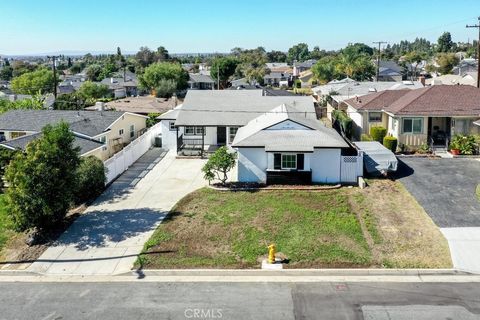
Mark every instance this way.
x=271 y=253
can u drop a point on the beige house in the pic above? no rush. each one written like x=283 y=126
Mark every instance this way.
x=101 y=134
x=430 y=115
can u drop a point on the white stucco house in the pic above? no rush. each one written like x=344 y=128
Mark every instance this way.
x=278 y=138
x=285 y=146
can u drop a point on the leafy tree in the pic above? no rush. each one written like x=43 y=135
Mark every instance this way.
x=34 y=103
x=90 y=179
x=445 y=43
x=414 y=58
x=298 y=52
x=42 y=180
x=219 y=164
x=276 y=56
x=6 y=73
x=145 y=57
x=108 y=69
x=6 y=155
x=92 y=91
x=317 y=54
x=152 y=78
x=252 y=65
x=162 y=54
x=357 y=49
x=152 y=119
x=325 y=69
x=223 y=67
x=446 y=62
x=93 y=72
x=77 y=67
x=165 y=88
x=20 y=67
x=40 y=80
x=70 y=101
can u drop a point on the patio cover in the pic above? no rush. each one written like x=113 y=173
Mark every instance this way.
x=377 y=159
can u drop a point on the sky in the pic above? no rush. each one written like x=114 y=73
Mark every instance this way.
x=195 y=26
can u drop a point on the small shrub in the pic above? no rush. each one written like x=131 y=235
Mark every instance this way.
x=219 y=164
x=390 y=143
x=342 y=123
x=378 y=133
x=466 y=144
x=424 y=148
x=90 y=179
x=365 y=137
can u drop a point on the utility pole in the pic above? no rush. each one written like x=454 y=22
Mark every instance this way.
x=478 y=50
x=378 y=56
x=218 y=77
x=54 y=75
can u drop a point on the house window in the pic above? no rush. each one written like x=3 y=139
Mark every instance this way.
x=289 y=161
x=232 y=132
x=132 y=131
x=172 y=126
x=193 y=131
x=120 y=132
x=103 y=139
x=14 y=135
x=375 y=117
x=412 y=125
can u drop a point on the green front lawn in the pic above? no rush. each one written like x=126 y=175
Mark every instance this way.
x=233 y=229
x=380 y=226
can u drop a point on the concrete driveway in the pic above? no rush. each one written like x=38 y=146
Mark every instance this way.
x=107 y=238
x=446 y=190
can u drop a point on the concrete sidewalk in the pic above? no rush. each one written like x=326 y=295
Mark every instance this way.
x=109 y=236
x=464 y=246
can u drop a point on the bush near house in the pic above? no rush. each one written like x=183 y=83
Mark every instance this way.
x=365 y=137
x=378 y=133
x=390 y=143
x=219 y=164
x=342 y=123
x=90 y=179
x=465 y=143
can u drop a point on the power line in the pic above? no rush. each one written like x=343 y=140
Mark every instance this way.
x=378 y=56
x=478 y=50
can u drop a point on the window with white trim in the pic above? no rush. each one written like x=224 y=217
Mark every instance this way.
x=132 y=131
x=232 y=132
x=289 y=161
x=103 y=139
x=412 y=125
x=374 y=117
x=193 y=131
x=120 y=132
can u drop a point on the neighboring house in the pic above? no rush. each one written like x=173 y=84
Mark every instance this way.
x=422 y=116
x=306 y=78
x=389 y=71
x=465 y=65
x=281 y=67
x=288 y=146
x=113 y=130
x=277 y=79
x=122 y=87
x=468 y=79
x=140 y=105
x=198 y=81
x=242 y=84
x=337 y=91
x=299 y=67
x=208 y=119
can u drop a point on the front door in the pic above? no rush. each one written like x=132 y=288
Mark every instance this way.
x=221 y=135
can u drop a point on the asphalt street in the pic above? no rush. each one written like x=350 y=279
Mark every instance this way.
x=150 y=300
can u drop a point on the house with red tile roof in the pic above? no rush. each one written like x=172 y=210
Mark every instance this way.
x=426 y=115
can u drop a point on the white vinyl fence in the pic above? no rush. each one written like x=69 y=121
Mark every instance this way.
x=120 y=162
x=351 y=168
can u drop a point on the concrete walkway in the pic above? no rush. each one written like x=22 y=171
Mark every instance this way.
x=464 y=246
x=109 y=236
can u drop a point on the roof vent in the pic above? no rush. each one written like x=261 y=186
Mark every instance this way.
x=372 y=90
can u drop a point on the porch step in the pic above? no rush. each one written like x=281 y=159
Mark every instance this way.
x=443 y=154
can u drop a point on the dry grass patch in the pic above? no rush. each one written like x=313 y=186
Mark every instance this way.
x=407 y=236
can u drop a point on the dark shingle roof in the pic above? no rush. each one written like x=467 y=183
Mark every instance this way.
x=376 y=101
x=21 y=143
x=89 y=123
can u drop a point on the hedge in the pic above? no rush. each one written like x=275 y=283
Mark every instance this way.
x=378 y=133
x=342 y=123
x=390 y=143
